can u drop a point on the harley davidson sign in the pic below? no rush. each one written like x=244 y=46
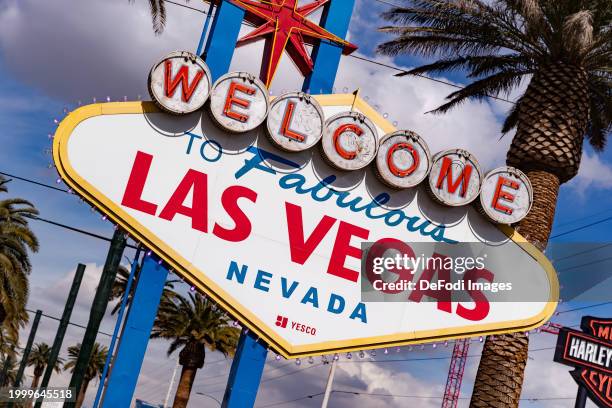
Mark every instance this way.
x=262 y=203
x=590 y=351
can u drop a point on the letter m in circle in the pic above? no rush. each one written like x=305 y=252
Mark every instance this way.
x=182 y=78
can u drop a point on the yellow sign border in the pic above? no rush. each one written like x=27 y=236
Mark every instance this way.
x=246 y=317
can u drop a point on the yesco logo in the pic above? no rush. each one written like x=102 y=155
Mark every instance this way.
x=283 y=322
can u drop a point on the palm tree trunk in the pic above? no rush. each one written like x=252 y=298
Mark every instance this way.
x=3 y=313
x=499 y=379
x=81 y=396
x=183 y=390
x=35 y=381
x=34 y=385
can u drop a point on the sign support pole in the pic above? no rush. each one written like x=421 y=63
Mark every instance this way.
x=250 y=358
x=111 y=347
x=246 y=371
x=28 y=348
x=61 y=330
x=325 y=55
x=98 y=308
x=222 y=38
x=581 y=397
x=135 y=336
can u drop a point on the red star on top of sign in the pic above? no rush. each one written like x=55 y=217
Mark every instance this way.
x=285 y=26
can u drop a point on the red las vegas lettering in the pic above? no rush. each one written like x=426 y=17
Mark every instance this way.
x=442 y=295
x=301 y=247
x=196 y=183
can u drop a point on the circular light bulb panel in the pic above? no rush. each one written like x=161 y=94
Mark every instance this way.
x=295 y=122
x=180 y=83
x=506 y=195
x=403 y=159
x=349 y=141
x=239 y=102
x=455 y=177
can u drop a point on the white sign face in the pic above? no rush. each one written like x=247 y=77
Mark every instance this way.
x=403 y=159
x=506 y=195
x=274 y=237
x=239 y=102
x=455 y=177
x=180 y=83
x=295 y=122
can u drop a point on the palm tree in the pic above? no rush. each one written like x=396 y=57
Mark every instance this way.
x=193 y=323
x=120 y=285
x=38 y=358
x=16 y=240
x=158 y=15
x=8 y=341
x=564 y=49
x=94 y=368
x=8 y=368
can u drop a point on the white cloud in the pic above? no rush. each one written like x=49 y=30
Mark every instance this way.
x=593 y=173
x=473 y=126
x=379 y=379
x=76 y=50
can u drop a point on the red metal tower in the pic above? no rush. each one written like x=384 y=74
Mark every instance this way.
x=457 y=367
x=455 y=373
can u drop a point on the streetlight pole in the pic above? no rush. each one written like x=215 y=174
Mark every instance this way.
x=171 y=384
x=209 y=396
x=330 y=380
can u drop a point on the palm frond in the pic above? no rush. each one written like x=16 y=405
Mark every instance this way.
x=495 y=84
x=496 y=43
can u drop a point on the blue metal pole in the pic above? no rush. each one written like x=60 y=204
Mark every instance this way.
x=133 y=344
x=326 y=56
x=111 y=347
x=222 y=38
x=122 y=381
x=205 y=28
x=250 y=357
x=245 y=374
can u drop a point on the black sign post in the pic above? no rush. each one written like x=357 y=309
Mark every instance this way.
x=590 y=352
x=581 y=397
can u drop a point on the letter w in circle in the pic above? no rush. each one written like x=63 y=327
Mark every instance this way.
x=181 y=77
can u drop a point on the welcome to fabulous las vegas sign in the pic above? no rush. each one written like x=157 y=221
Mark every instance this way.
x=263 y=203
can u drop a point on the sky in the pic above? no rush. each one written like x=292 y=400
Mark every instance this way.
x=57 y=55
